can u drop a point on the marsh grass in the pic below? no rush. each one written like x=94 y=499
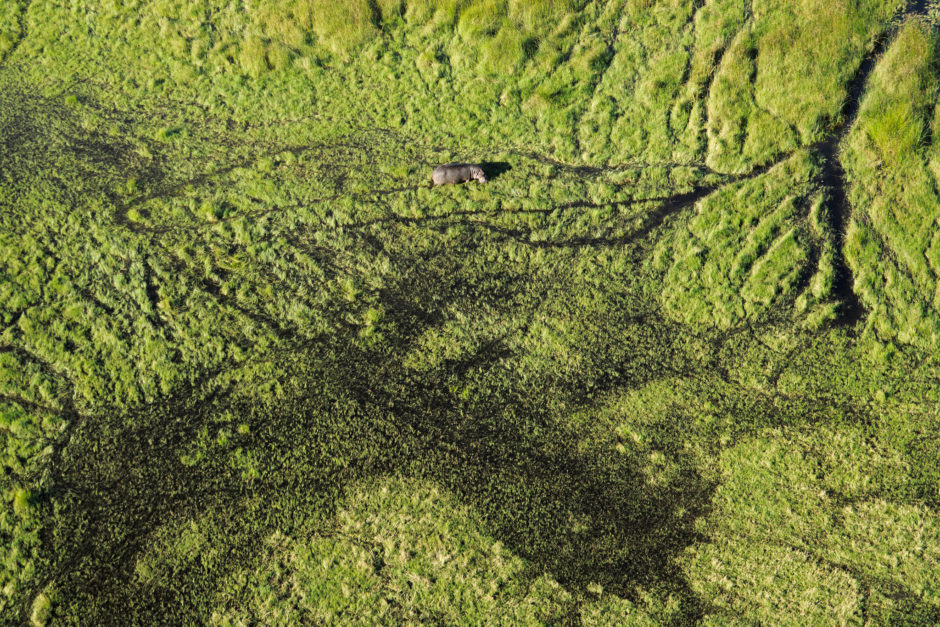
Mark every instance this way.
x=391 y=557
x=11 y=16
x=782 y=50
x=894 y=188
x=743 y=251
x=253 y=368
x=787 y=465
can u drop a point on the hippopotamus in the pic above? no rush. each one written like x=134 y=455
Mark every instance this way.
x=457 y=173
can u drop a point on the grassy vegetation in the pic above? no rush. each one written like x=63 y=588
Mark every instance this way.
x=891 y=241
x=10 y=16
x=254 y=369
x=745 y=250
x=782 y=49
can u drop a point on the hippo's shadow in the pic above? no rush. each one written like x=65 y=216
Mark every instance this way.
x=494 y=169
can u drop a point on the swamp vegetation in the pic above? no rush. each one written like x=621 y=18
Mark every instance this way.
x=676 y=363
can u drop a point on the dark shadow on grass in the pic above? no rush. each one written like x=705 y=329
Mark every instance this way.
x=349 y=412
x=495 y=169
x=46 y=149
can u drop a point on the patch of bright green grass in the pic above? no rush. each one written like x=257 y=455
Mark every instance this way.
x=744 y=249
x=771 y=91
x=890 y=242
x=11 y=15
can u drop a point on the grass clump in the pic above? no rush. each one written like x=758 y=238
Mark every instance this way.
x=898 y=107
x=509 y=32
x=341 y=27
x=40 y=611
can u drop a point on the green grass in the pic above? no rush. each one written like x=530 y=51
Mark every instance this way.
x=782 y=49
x=798 y=515
x=743 y=251
x=254 y=369
x=398 y=551
x=889 y=162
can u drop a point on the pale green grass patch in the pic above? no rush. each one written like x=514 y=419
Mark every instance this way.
x=889 y=243
x=811 y=508
x=758 y=584
x=399 y=551
x=742 y=252
x=40 y=610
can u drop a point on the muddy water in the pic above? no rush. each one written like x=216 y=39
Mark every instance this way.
x=920 y=7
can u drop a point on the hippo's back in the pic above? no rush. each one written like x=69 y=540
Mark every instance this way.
x=451 y=173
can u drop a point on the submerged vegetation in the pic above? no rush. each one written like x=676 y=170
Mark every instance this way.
x=675 y=363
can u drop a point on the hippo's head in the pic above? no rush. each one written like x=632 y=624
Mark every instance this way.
x=477 y=173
